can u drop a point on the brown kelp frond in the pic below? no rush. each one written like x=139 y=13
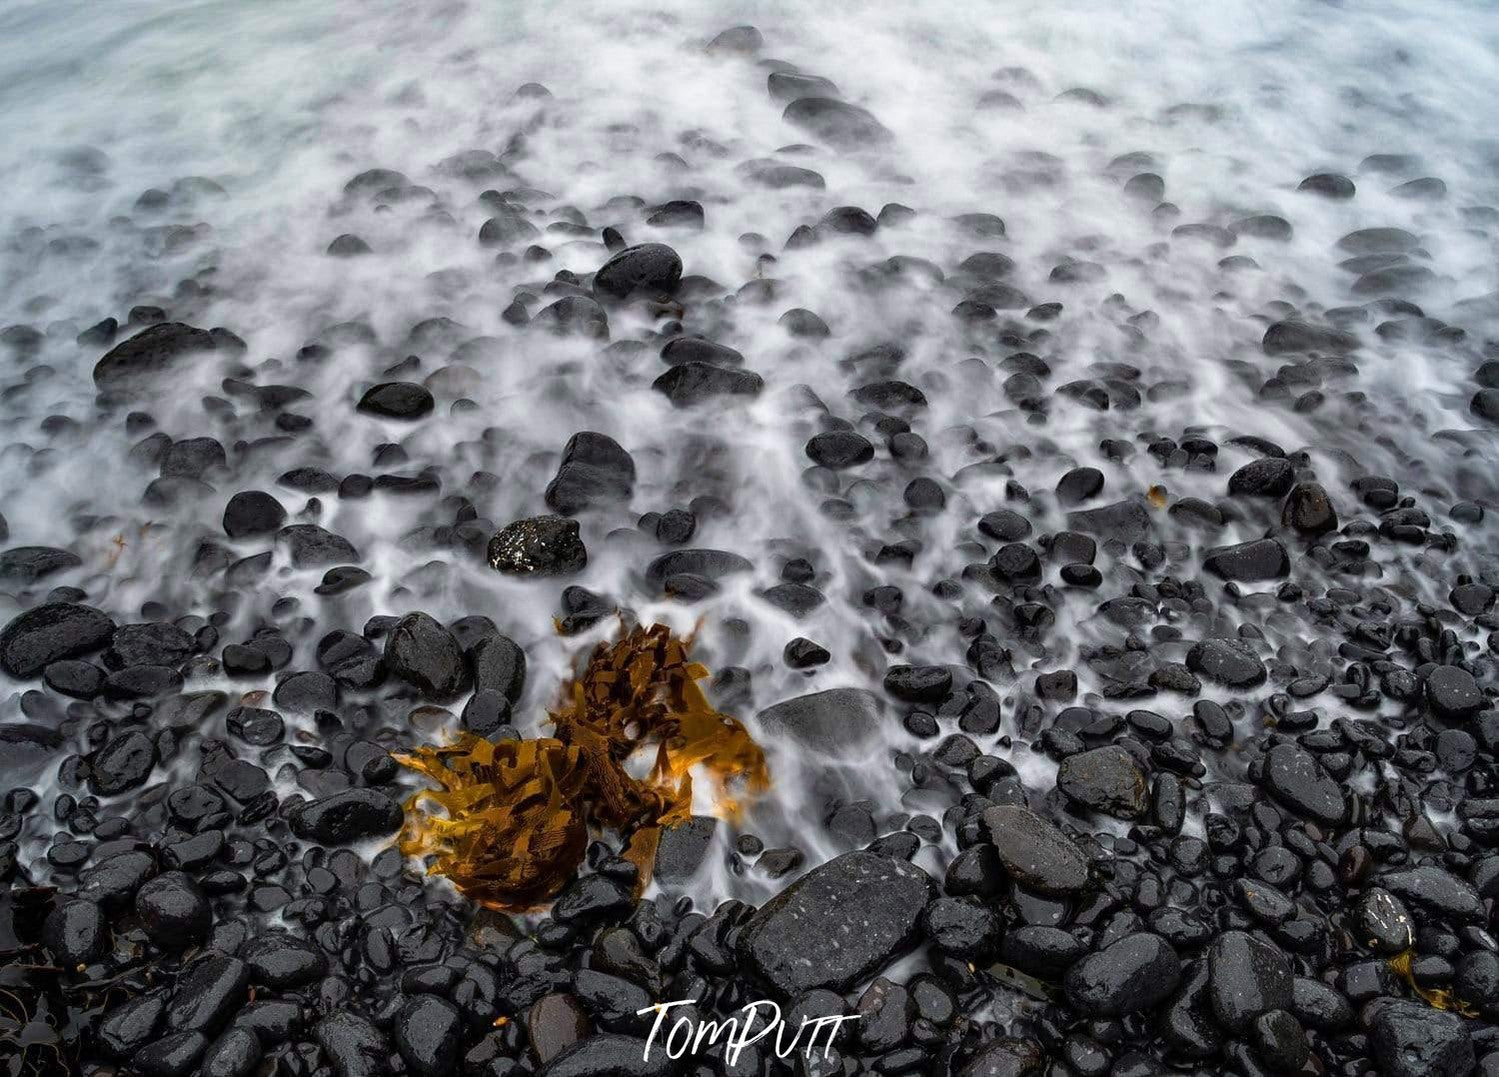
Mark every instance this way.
x=516 y=815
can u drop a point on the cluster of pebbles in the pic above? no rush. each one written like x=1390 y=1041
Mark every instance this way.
x=1187 y=729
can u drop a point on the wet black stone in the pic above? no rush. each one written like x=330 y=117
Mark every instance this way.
x=212 y=989
x=252 y=512
x=840 y=449
x=1004 y=525
x=832 y=721
x=422 y=652
x=606 y=1055
x=312 y=546
x=347 y=816
x=918 y=684
x=1226 y=661
x=1453 y=693
x=76 y=932
x=1435 y=889
x=1412 y=1039
x=154 y=350
x=174 y=911
x=117 y=878
x=1249 y=562
x=1136 y=973
x=1385 y=923
x=1267 y=477
x=1249 y=976
x=427 y=1032
x=1034 y=851
x=709 y=564
x=1105 y=779
x=499 y=665
x=803 y=653
x=175 y=1055
x=678 y=213
x=1127 y=520
x=575 y=314
x=1308 y=510
x=839 y=124
x=1328 y=185
x=306 y=692
x=1295 y=778
x=590 y=898
x=837 y=924
x=650 y=268
x=963 y=927
x=595 y=470
x=128 y=1026
x=692 y=383
x=1079 y=484
x=278 y=960
x=122 y=764
x=353 y=1046
x=45 y=634
x=397 y=400
x=155 y=643
x=538 y=546
x=27 y=564
x=234 y=1054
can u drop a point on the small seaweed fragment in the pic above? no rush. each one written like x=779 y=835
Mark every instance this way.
x=516 y=815
x=1439 y=997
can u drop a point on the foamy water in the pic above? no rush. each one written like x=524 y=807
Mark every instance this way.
x=281 y=104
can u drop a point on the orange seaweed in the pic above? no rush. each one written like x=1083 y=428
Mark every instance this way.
x=516 y=816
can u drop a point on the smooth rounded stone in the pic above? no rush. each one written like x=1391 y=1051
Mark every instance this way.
x=151 y=643
x=174 y=911
x=1136 y=973
x=234 y=1054
x=124 y=763
x=279 y=960
x=1412 y=1039
x=1041 y=951
x=306 y=692
x=1128 y=520
x=1267 y=477
x=1436 y=889
x=311 y=546
x=142 y=682
x=538 y=546
x=1079 y=484
x=575 y=314
x=1425 y=188
x=595 y=470
x=709 y=564
x=699 y=349
x=1147 y=187
x=837 y=924
x=1105 y=779
x=1294 y=778
x=128 y=1026
x=155 y=350
x=76 y=932
x=348 y=245
x=1004 y=525
x=347 y=816
x=1328 y=185
x=836 y=721
x=46 y=634
x=692 y=383
x=840 y=449
x=837 y=123
x=778 y=175
x=397 y=400
x=1308 y=510
x=353 y=1046
x=1035 y=852
x=1453 y=693
x=1228 y=662
x=1395 y=279
x=609 y=1055
x=1248 y=977
x=252 y=512
x=738 y=40
x=175 y=1055
x=918 y=684
x=499 y=665
x=963 y=927
x=1485 y=404
x=1378 y=241
x=554 y=1023
x=1263 y=226
x=117 y=877
x=649 y=268
x=427 y=1031
x=1387 y=927
x=1249 y=562
x=786 y=86
x=27 y=564
x=213 y=987
x=422 y=652
x=1293 y=336
x=1319 y=1005
x=683 y=848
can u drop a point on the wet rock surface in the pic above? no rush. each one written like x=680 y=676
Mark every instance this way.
x=1091 y=517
